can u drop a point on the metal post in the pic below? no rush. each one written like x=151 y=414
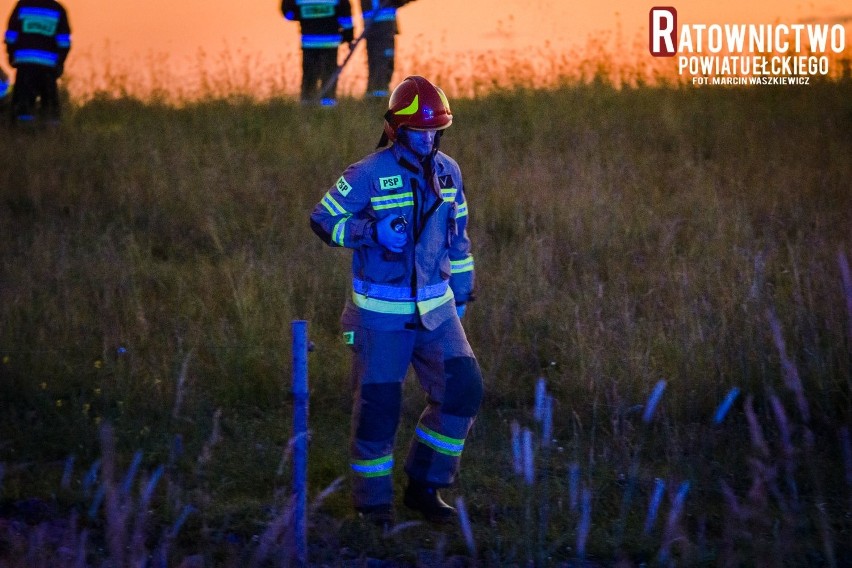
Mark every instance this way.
x=300 y=440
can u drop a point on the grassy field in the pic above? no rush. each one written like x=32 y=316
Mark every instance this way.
x=646 y=252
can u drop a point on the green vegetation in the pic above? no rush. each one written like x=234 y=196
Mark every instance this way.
x=154 y=256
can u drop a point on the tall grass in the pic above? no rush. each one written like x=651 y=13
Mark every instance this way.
x=154 y=256
x=238 y=70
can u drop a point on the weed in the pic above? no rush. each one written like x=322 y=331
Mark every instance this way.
x=156 y=254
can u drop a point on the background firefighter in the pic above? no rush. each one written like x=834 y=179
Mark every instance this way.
x=410 y=285
x=324 y=25
x=380 y=30
x=38 y=39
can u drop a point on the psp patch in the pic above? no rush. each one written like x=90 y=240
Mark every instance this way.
x=311 y=12
x=343 y=186
x=391 y=182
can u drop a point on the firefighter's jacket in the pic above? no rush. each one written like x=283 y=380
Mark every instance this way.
x=38 y=34
x=325 y=24
x=393 y=291
x=380 y=17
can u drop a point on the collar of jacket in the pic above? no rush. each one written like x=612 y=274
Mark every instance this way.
x=409 y=160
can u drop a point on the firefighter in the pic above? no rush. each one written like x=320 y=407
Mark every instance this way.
x=4 y=89
x=324 y=25
x=38 y=39
x=380 y=30
x=402 y=211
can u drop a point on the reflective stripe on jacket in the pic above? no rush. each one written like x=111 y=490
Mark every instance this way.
x=375 y=11
x=391 y=290
x=380 y=17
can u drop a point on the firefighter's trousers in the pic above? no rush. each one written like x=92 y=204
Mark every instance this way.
x=35 y=93
x=380 y=63
x=318 y=66
x=449 y=374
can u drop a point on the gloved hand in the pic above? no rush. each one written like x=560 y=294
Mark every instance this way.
x=387 y=237
x=461 y=309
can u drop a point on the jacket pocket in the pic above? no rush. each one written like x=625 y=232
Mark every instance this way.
x=381 y=266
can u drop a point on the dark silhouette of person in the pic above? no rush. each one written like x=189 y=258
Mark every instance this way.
x=380 y=31
x=5 y=87
x=324 y=25
x=38 y=39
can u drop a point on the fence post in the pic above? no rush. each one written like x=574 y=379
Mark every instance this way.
x=300 y=440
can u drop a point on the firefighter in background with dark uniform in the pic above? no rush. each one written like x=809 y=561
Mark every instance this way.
x=4 y=90
x=380 y=30
x=402 y=211
x=324 y=25
x=38 y=39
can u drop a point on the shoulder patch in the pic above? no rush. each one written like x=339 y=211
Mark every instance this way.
x=391 y=182
x=446 y=181
x=343 y=186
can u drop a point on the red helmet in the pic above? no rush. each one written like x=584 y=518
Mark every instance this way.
x=417 y=104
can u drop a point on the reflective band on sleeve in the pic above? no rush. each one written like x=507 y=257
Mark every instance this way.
x=332 y=206
x=63 y=40
x=338 y=234
x=462 y=212
x=394 y=200
x=438 y=442
x=373 y=468
x=459 y=266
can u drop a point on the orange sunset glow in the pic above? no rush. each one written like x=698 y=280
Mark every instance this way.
x=191 y=46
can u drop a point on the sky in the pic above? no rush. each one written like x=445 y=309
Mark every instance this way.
x=161 y=41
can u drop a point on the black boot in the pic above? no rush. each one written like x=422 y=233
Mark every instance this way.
x=379 y=515
x=426 y=499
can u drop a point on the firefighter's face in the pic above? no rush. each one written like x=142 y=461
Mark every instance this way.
x=421 y=142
